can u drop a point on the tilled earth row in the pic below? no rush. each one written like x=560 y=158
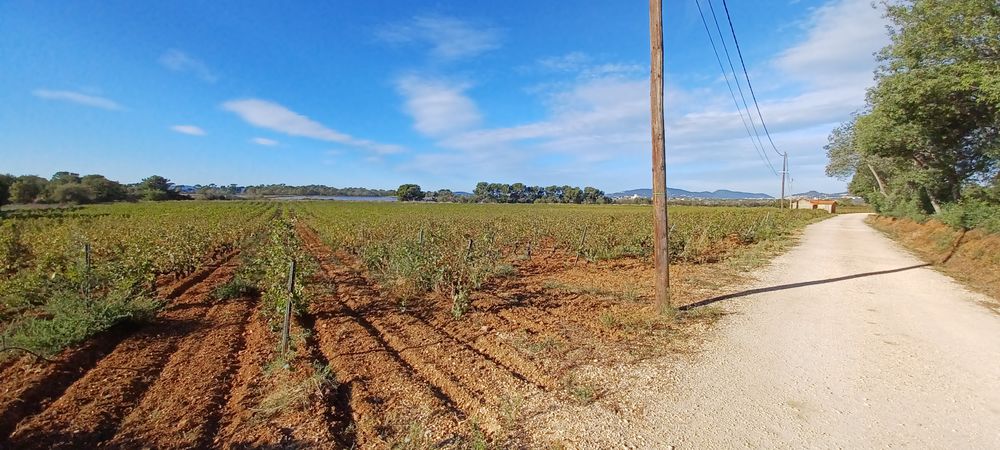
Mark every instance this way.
x=168 y=384
x=366 y=372
x=407 y=367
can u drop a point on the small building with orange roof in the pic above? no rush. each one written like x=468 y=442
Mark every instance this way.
x=829 y=206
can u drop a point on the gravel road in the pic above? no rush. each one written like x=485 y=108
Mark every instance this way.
x=851 y=342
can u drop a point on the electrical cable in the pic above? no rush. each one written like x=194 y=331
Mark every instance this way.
x=761 y=152
x=747 y=75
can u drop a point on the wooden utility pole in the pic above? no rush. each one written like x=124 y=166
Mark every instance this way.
x=784 y=171
x=661 y=249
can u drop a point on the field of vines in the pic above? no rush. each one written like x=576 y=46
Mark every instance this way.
x=69 y=274
x=413 y=248
x=414 y=325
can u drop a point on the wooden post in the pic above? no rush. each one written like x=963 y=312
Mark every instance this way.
x=421 y=240
x=527 y=251
x=86 y=269
x=784 y=170
x=285 y=329
x=468 y=252
x=661 y=248
x=579 y=249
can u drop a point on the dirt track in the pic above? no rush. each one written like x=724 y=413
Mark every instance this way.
x=847 y=341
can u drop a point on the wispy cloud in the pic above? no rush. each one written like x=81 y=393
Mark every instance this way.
x=179 y=61
x=188 y=129
x=449 y=38
x=597 y=121
x=275 y=117
x=78 y=98
x=437 y=106
x=582 y=121
x=572 y=61
x=841 y=38
x=264 y=141
x=585 y=66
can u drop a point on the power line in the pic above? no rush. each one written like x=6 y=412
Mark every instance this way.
x=747 y=75
x=761 y=152
x=739 y=86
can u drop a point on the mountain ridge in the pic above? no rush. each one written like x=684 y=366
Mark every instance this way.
x=724 y=194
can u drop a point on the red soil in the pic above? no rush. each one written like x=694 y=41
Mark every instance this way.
x=204 y=373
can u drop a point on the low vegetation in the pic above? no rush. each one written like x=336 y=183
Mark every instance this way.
x=70 y=274
x=453 y=249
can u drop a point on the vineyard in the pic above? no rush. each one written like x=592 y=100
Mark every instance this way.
x=413 y=325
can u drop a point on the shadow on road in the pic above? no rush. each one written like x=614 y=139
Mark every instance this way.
x=782 y=287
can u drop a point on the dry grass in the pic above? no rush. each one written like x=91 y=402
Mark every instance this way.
x=972 y=257
x=294 y=394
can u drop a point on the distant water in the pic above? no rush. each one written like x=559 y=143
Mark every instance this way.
x=343 y=198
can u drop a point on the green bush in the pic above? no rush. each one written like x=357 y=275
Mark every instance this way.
x=236 y=288
x=71 y=316
x=972 y=213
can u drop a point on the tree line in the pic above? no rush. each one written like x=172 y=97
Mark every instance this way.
x=69 y=187
x=927 y=142
x=233 y=191
x=508 y=193
x=315 y=190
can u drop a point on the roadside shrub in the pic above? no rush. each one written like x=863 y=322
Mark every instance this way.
x=972 y=213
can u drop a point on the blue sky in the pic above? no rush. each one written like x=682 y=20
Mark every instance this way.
x=444 y=93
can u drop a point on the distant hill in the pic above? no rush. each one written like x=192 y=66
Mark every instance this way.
x=681 y=193
x=815 y=194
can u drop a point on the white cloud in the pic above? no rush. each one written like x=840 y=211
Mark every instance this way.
x=78 y=98
x=437 y=106
x=569 y=62
x=584 y=66
x=617 y=69
x=596 y=127
x=264 y=141
x=179 y=61
x=839 y=46
x=583 y=120
x=449 y=38
x=188 y=129
x=275 y=117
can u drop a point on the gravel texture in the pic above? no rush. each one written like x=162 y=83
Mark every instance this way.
x=848 y=341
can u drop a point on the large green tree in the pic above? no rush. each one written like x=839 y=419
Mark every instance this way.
x=72 y=193
x=409 y=193
x=28 y=189
x=6 y=181
x=157 y=188
x=104 y=190
x=934 y=113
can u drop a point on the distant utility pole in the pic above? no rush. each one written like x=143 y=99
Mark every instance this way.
x=661 y=248
x=784 y=171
